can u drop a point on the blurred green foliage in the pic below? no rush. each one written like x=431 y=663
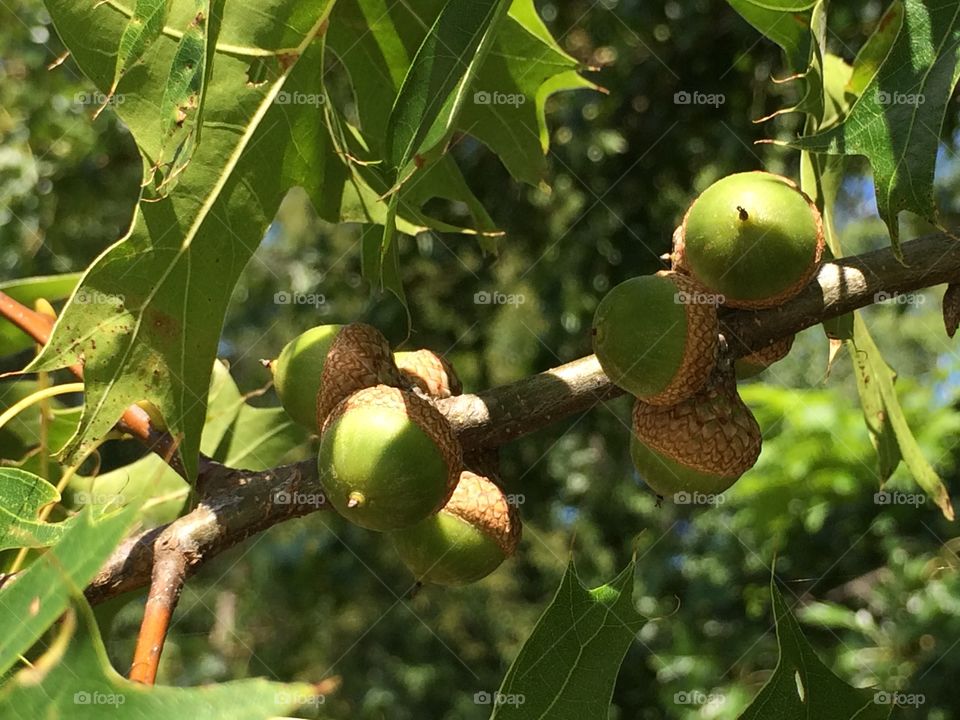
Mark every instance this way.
x=875 y=585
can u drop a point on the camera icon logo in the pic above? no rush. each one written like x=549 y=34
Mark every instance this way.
x=481 y=97
x=682 y=97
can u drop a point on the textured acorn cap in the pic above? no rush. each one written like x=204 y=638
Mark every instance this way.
x=759 y=360
x=359 y=357
x=713 y=434
x=478 y=501
x=430 y=372
x=387 y=458
x=467 y=540
x=656 y=337
x=753 y=237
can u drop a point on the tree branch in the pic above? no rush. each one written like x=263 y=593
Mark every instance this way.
x=502 y=414
x=238 y=503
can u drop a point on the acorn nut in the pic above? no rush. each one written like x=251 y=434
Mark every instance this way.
x=322 y=366
x=467 y=540
x=755 y=238
x=656 y=337
x=703 y=444
x=388 y=459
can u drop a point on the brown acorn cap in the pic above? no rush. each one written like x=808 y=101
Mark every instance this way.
x=712 y=432
x=430 y=372
x=478 y=501
x=359 y=357
x=768 y=355
x=700 y=351
x=420 y=411
x=678 y=257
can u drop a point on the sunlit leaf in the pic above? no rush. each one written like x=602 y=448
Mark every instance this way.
x=885 y=419
x=897 y=120
x=568 y=665
x=30 y=604
x=75 y=681
x=802 y=687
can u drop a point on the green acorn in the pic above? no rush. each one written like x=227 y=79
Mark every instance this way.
x=656 y=337
x=322 y=366
x=703 y=444
x=387 y=458
x=755 y=238
x=467 y=540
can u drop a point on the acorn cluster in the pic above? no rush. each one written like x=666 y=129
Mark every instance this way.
x=750 y=240
x=388 y=459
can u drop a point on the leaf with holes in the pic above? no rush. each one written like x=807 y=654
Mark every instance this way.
x=159 y=295
x=181 y=110
x=148 y=320
x=142 y=30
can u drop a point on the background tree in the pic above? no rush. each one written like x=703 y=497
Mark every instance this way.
x=319 y=600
